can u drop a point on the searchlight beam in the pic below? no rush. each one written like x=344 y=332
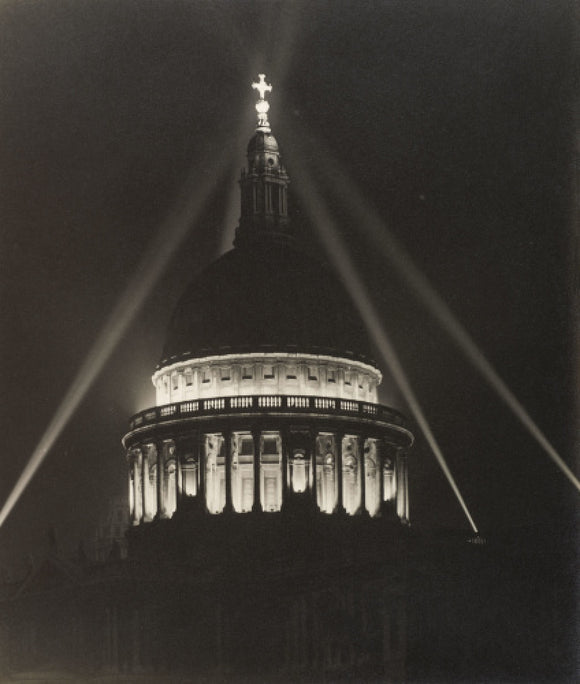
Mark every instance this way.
x=378 y=233
x=172 y=233
x=339 y=257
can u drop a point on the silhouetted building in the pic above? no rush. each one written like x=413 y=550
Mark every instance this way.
x=110 y=534
x=267 y=482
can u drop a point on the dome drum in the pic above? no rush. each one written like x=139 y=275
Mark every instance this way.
x=267 y=373
x=328 y=462
x=266 y=392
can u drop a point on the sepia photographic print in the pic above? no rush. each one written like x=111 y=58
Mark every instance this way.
x=289 y=334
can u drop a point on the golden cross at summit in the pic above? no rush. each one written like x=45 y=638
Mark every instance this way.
x=262 y=106
x=262 y=87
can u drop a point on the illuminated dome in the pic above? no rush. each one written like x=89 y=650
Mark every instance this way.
x=265 y=297
x=266 y=392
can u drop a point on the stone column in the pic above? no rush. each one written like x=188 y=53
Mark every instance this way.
x=257 y=506
x=201 y=484
x=160 y=448
x=131 y=486
x=338 y=473
x=145 y=481
x=137 y=487
x=229 y=506
x=402 y=486
x=363 y=476
x=195 y=457
x=285 y=435
x=380 y=451
x=178 y=450
x=313 y=432
x=170 y=501
x=178 y=475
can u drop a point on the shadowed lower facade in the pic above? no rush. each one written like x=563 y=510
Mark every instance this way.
x=268 y=497
x=268 y=509
x=267 y=486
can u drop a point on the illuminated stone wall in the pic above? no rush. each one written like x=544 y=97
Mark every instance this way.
x=235 y=375
x=337 y=472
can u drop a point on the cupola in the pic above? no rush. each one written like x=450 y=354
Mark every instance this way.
x=264 y=183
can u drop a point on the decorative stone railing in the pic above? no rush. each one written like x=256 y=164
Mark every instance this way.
x=274 y=403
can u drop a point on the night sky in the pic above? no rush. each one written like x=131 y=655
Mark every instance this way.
x=455 y=121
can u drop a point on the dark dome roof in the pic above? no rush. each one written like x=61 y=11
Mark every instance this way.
x=263 y=152
x=265 y=297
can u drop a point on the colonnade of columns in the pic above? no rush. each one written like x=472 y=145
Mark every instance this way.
x=259 y=470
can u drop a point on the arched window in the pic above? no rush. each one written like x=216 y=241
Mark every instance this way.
x=189 y=475
x=298 y=477
x=242 y=472
x=389 y=480
x=271 y=471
